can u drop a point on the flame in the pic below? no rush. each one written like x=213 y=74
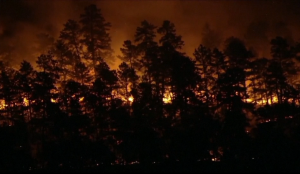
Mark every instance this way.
x=130 y=99
x=53 y=101
x=2 y=104
x=249 y=100
x=167 y=100
x=263 y=101
x=167 y=97
x=25 y=102
x=81 y=99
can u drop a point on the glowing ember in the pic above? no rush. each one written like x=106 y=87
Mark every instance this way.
x=131 y=99
x=2 y=104
x=53 y=101
x=263 y=101
x=167 y=97
x=81 y=99
x=249 y=100
x=215 y=159
x=25 y=102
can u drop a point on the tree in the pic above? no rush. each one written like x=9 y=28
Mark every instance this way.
x=8 y=92
x=130 y=54
x=68 y=48
x=95 y=35
x=127 y=79
x=170 y=39
x=44 y=91
x=233 y=120
x=108 y=77
x=63 y=59
x=276 y=80
x=146 y=47
x=70 y=37
x=48 y=64
x=237 y=52
x=258 y=77
x=230 y=91
x=238 y=56
x=282 y=53
x=184 y=80
x=25 y=79
x=204 y=62
x=82 y=74
x=170 y=45
x=218 y=61
x=77 y=120
x=219 y=66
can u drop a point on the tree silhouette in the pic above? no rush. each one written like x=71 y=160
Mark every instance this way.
x=9 y=93
x=204 y=61
x=282 y=53
x=70 y=36
x=95 y=35
x=238 y=56
x=25 y=77
x=63 y=61
x=128 y=79
x=82 y=74
x=159 y=105
x=237 y=52
x=258 y=86
x=146 y=47
x=130 y=54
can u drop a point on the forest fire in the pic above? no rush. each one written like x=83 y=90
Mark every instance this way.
x=160 y=104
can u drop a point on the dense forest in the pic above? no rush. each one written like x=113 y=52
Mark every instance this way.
x=159 y=105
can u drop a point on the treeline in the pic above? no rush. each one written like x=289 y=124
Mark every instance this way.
x=158 y=105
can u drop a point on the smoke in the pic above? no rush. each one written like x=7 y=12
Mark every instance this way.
x=210 y=38
x=28 y=27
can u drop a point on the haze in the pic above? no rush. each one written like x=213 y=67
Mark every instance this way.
x=27 y=28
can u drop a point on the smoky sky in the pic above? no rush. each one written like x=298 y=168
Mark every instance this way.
x=28 y=27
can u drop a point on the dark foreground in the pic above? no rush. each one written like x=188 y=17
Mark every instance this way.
x=235 y=167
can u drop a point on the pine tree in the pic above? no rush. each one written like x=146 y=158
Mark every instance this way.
x=62 y=55
x=127 y=79
x=95 y=35
x=130 y=54
x=146 y=47
x=204 y=62
x=70 y=37
x=25 y=78
x=82 y=74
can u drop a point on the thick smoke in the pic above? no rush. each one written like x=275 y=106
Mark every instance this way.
x=28 y=27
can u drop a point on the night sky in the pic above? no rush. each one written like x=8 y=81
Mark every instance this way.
x=28 y=27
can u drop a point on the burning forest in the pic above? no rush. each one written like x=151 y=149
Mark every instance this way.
x=69 y=108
